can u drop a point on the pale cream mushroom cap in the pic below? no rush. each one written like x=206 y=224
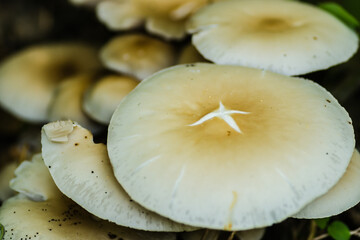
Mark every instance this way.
x=119 y=14
x=137 y=55
x=227 y=147
x=68 y=100
x=82 y=171
x=28 y=78
x=102 y=98
x=287 y=37
x=56 y=218
x=343 y=196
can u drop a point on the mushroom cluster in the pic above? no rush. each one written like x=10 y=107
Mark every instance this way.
x=205 y=139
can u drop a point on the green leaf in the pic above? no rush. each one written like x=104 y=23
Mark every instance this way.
x=2 y=231
x=322 y=222
x=339 y=231
x=339 y=12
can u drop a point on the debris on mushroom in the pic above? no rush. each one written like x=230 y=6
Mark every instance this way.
x=82 y=171
x=56 y=217
x=228 y=147
x=137 y=55
x=343 y=196
x=102 y=98
x=28 y=78
x=68 y=100
x=288 y=37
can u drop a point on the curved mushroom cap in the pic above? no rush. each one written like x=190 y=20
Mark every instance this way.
x=82 y=171
x=287 y=37
x=137 y=55
x=68 y=100
x=119 y=14
x=32 y=180
x=102 y=98
x=28 y=79
x=227 y=147
x=57 y=218
x=343 y=196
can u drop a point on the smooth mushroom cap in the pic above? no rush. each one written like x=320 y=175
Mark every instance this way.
x=102 y=98
x=137 y=55
x=343 y=196
x=287 y=37
x=68 y=100
x=82 y=171
x=28 y=78
x=119 y=14
x=208 y=145
x=57 y=218
x=166 y=28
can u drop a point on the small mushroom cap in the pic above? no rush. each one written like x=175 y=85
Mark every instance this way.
x=119 y=14
x=227 y=147
x=343 y=196
x=166 y=28
x=68 y=100
x=57 y=218
x=287 y=37
x=29 y=180
x=28 y=79
x=137 y=55
x=253 y=234
x=82 y=171
x=102 y=98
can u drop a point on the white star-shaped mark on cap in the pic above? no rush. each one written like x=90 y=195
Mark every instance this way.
x=223 y=114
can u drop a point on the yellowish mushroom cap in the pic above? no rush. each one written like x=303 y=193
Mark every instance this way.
x=189 y=54
x=102 y=98
x=137 y=55
x=56 y=217
x=287 y=37
x=228 y=147
x=28 y=79
x=82 y=171
x=343 y=196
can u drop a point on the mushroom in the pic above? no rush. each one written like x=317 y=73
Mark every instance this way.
x=28 y=78
x=343 y=196
x=81 y=169
x=137 y=55
x=228 y=147
x=164 y=18
x=68 y=100
x=102 y=98
x=287 y=37
x=55 y=217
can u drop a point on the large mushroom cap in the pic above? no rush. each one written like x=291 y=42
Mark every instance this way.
x=228 y=147
x=28 y=79
x=82 y=171
x=344 y=195
x=56 y=217
x=287 y=37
